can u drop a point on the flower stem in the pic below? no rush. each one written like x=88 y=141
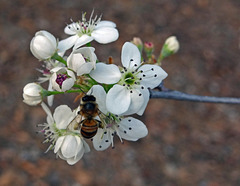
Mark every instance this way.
x=68 y=91
x=59 y=58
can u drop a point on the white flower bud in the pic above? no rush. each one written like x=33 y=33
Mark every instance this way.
x=172 y=44
x=32 y=94
x=43 y=45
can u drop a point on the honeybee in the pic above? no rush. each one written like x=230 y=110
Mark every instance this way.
x=88 y=110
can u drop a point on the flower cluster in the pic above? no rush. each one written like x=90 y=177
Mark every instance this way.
x=109 y=93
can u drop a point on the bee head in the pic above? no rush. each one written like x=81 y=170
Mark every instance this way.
x=88 y=98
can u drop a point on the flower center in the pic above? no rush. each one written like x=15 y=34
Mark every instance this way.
x=129 y=78
x=60 y=79
x=84 y=26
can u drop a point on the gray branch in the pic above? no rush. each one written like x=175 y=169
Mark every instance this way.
x=165 y=93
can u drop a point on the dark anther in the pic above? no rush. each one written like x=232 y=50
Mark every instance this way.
x=155 y=75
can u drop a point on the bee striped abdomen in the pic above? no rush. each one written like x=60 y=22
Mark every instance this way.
x=89 y=128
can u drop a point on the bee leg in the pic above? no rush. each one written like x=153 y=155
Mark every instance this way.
x=100 y=125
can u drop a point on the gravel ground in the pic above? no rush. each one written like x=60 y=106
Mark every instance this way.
x=188 y=143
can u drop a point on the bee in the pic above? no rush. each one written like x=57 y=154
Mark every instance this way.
x=88 y=110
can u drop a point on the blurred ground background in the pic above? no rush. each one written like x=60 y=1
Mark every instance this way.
x=188 y=143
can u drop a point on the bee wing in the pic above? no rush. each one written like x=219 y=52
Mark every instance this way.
x=75 y=122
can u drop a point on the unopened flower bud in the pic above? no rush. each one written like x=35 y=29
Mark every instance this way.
x=171 y=46
x=149 y=48
x=43 y=45
x=32 y=94
x=138 y=42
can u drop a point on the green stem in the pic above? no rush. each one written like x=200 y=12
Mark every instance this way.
x=68 y=91
x=59 y=58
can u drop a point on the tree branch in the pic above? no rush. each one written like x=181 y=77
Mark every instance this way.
x=165 y=93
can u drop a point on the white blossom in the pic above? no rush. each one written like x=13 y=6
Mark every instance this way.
x=32 y=94
x=84 y=31
x=43 y=45
x=67 y=144
x=62 y=79
x=82 y=60
x=127 y=128
x=130 y=95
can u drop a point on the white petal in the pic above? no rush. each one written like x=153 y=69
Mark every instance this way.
x=105 y=24
x=50 y=98
x=145 y=93
x=62 y=116
x=67 y=84
x=67 y=43
x=132 y=129
x=118 y=99
x=55 y=85
x=85 y=68
x=75 y=61
x=48 y=112
x=84 y=39
x=58 y=143
x=105 y=35
x=69 y=146
x=131 y=57
x=51 y=38
x=88 y=52
x=99 y=93
x=71 y=28
x=102 y=139
x=105 y=73
x=137 y=100
x=71 y=74
x=152 y=75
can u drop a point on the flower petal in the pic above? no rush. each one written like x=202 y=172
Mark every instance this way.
x=48 y=112
x=105 y=35
x=85 y=68
x=67 y=84
x=146 y=94
x=51 y=97
x=84 y=39
x=67 y=43
x=105 y=24
x=137 y=100
x=63 y=115
x=102 y=140
x=131 y=57
x=132 y=129
x=71 y=29
x=105 y=73
x=152 y=75
x=118 y=99
x=75 y=61
x=58 y=143
x=69 y=146
x=99 y=93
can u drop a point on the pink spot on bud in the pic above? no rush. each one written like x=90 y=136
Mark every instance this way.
x=148 y=45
